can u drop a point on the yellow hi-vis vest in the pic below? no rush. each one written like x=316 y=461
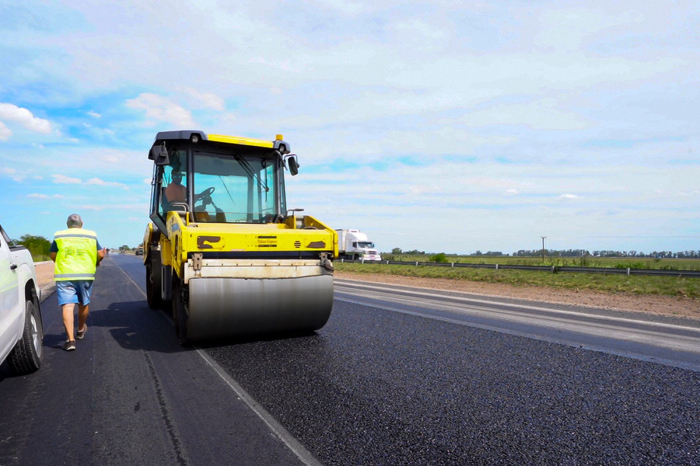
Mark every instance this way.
x=77 y=254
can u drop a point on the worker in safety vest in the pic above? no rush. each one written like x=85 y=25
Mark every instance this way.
x=76 y=253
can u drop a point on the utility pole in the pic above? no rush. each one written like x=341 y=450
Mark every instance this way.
x=543 y=237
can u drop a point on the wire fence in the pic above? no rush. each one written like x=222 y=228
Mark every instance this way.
x=539 y=268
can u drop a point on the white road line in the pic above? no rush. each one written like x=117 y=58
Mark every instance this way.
x=288 y=439
x=283 y=434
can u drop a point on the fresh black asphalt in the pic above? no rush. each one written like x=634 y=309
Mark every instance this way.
x=128 y=395
x=372 y=387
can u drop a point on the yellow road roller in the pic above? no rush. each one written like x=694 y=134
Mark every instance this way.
x=222 y=251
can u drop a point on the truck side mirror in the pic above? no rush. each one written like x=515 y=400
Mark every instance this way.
x=159 y=155
x=293 y=164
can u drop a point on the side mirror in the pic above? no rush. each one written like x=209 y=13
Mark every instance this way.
x=293 y=164
x=159 y=155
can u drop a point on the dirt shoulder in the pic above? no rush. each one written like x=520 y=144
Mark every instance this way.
x=44 y=275
x=659 y=305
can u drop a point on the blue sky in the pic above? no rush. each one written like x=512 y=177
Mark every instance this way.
x=449 y=126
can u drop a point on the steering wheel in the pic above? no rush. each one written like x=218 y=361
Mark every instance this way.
x=204 y=196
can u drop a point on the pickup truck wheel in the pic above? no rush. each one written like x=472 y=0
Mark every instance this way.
x=26 y=355
x=153 y=288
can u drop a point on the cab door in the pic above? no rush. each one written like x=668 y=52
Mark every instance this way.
x=9 y=298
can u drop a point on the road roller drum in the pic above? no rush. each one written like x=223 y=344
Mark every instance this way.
x=231 y=307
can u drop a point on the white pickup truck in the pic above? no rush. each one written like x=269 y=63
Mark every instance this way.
x=21 y=327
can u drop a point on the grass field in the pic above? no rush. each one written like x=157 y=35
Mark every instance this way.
x=667 y=286
x=614 y=262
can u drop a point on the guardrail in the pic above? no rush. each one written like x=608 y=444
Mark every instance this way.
x=541 y=268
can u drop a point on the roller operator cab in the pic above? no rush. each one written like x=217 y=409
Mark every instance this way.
x=222 y=251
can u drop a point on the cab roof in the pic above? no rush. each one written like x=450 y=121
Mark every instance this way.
x=193 y=135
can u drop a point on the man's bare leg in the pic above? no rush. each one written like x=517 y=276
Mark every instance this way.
x=68 y=320
x=83 y=312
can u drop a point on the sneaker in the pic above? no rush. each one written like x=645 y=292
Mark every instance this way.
x=80 y=335
x=69 y=345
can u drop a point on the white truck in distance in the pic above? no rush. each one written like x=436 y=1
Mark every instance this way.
x=353 y=244
x=21 y=328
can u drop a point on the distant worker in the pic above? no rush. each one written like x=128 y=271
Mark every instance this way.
x=76 y=253
x=175 y=191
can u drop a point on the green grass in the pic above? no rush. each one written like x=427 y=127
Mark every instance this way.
x=643 y=285
x=588 y=261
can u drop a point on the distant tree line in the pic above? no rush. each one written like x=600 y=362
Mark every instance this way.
x=38 y=245
x=610 y=253
x=573 y=253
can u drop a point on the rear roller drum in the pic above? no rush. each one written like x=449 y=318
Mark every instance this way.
x=180 y=316
x=153 y=286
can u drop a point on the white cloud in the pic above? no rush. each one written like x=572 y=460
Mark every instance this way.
x=22 y=116
x=205 y=100
x=92 y=207
x=94 y=114
x=63 y=179
x=511 y=192
x=45 y=196
x=5 y=132
x=13 y=173
x=569 y=196
x=159 y=108
x=100 y=182
x=424 y=189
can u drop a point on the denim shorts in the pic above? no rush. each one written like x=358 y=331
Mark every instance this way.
x=74 y=292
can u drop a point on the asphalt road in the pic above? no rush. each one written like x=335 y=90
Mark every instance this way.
x=429 y=384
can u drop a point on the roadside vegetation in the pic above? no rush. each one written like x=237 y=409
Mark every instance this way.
x=38 y=246
x=667 y=286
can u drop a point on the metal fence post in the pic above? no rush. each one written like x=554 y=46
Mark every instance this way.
x=496 y=266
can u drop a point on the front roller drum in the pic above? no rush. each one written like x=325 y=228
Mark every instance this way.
x=234 y=307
